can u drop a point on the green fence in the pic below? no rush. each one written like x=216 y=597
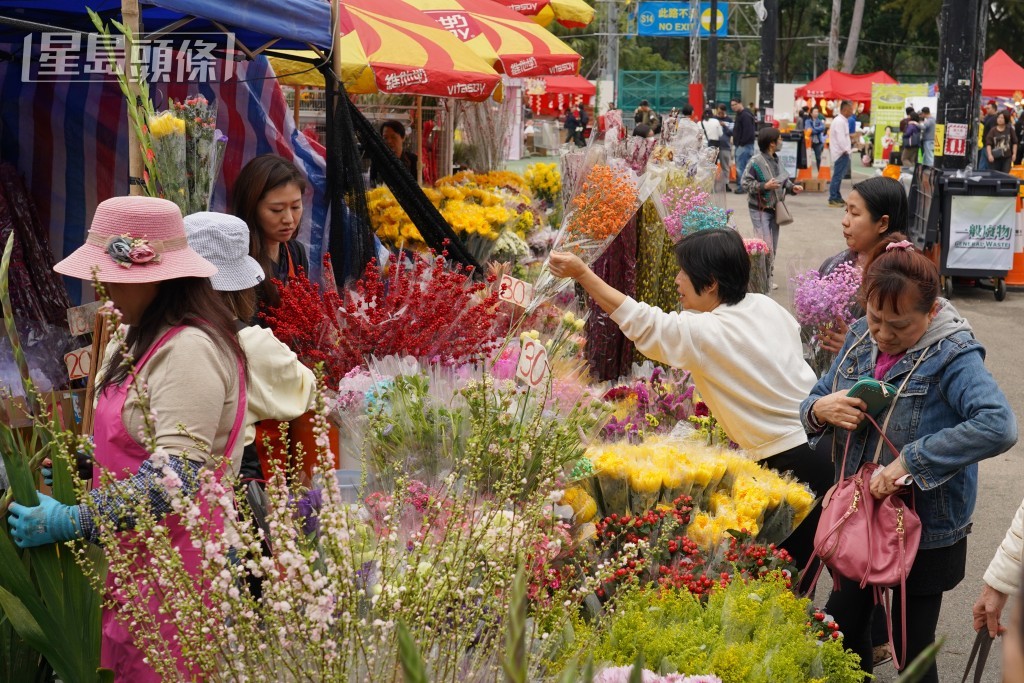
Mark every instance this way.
x=667 y=89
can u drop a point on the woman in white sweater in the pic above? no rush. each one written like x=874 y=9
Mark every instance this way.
x=743 y=351
x=280 y=387
x=1002 y=578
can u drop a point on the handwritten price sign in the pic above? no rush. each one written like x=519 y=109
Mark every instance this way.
x=79 y=362
x=533 y=365
x=80 y=318
x=515 y=291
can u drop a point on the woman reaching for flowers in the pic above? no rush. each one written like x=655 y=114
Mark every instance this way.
x=743 y=351
x=948 y=415
x=185 y=355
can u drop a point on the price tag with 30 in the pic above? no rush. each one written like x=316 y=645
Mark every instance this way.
x=533 y=365
x=515 y=291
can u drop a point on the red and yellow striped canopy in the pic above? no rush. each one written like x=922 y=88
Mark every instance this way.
x=391 y=47
x=568 y=13
x=504 y=38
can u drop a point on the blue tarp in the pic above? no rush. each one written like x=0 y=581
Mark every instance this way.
x=293 y=23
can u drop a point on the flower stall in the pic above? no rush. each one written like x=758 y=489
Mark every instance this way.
x=503 y=514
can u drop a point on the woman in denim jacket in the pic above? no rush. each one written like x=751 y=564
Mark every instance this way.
x=948 y=415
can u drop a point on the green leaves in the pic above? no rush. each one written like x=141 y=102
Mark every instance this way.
x=413 y=668
x=515 y=662
x=44 y=594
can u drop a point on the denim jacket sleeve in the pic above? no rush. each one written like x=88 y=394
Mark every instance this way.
x=823 y=388
x=987 y=428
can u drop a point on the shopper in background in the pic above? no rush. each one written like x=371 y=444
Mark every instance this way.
x=643 y=113
x=394 y=134
x=927 y=137
x=743 y=138
x=817 y=125
x=725 y=149
x=1001 y=144
x=713 y=134
x=911 y=143
x=766 y=183
x=840 y=148
x=988 y=120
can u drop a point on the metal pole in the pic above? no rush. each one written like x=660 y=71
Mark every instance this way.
x=611 y=57
x=769 y=36
x=130 y=17
x=694 y=41
x=963 y=47
x=711 y=87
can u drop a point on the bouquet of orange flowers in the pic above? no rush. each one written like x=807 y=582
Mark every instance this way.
x=603 y=199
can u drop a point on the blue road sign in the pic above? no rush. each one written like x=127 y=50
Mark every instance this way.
x=665 y=19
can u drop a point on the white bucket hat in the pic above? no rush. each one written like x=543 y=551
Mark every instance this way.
x=223 y=240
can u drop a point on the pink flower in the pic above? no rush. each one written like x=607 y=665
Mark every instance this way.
x=142 y=253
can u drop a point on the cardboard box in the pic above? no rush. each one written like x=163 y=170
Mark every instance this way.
x=814 y=185
x=66 y=406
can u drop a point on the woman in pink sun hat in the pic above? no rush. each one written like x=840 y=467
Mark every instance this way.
x=185 y=352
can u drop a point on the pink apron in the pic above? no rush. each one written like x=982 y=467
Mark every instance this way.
x=117 y=452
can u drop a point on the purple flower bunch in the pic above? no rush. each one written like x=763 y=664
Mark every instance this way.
x=651 y=405
x=689 y=210
x=820 y=301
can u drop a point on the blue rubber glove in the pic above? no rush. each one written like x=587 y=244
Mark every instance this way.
x=47 y=475
x=48 y=522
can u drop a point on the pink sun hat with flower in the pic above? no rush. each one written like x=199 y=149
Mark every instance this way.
x=136 y=239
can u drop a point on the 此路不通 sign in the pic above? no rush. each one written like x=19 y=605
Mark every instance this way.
x=673 y=19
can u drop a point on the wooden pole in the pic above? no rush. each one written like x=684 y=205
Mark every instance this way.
x=130 y=17
x=100 y=337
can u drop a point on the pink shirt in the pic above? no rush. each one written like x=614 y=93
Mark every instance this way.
x=884 y=363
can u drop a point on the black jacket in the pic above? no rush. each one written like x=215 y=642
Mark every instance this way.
x=743 y=131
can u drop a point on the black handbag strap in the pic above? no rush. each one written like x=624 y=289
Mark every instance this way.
x=982 y=645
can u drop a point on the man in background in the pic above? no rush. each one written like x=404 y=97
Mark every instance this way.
x=744 y=132
x=643 y=114
x=839 y=147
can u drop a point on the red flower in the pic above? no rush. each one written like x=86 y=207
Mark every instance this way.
x=701 y=409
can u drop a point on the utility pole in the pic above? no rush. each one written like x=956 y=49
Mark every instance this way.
x=711 y=88
x=769 y=36
x=611 y=46
x=960 y=59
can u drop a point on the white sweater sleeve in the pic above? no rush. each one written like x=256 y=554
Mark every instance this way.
x=1003 y=572
x=670 y=338
x=280 y=387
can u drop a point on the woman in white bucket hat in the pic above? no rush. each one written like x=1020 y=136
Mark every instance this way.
x=279 y=386
x=186 y=355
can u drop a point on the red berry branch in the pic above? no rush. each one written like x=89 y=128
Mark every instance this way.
x=426 y=310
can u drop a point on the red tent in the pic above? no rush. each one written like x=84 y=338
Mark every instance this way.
x=551 y=95
x=836 y=85
x=1002 y=77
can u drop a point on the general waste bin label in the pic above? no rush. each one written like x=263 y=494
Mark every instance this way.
x=981 y=233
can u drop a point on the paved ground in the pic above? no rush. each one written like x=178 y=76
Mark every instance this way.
x=815 y=234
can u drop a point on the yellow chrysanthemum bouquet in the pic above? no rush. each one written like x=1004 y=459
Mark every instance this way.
x=729 y=491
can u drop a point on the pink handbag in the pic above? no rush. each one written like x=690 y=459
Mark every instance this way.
x=860 y=537
x=871 y=541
